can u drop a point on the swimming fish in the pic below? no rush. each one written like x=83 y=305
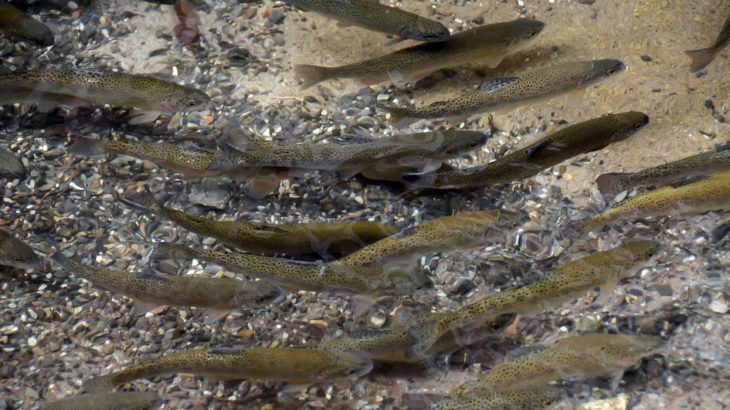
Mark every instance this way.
x=323 y=239
x=704 y=164
x=293 y=365
x=151 y=95
x=15 y=23
x=218 y=296
x=488 y=44
x=460 y=231
x=10 y=167
x=500 y=400
x=504 y=93
x=16 y=254
x=703 y=57
x=372 y=15
x=696 y=198
x=590 y=355
x=109 y=401
x=577 y=139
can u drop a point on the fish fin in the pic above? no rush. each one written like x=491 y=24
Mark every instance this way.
x=616 y=379
x=143 y=117
x=61 y=260
x=175 y=121
x=425 y=335
x=576 y=96
x=212 y=315
x=700 y=58
x=141 y=307
x=361 y=136
x=260 y=187
x=368 y=81
x=46 y=106
x=538 y=147
x=311 y=74
x=413 y=77
x=226 y=350
x=294 y=389
x=143 y=201
x=150 y=274
x=605 y=294
x=492 y=84
x=99 y=384
x=346 y=171
x=87 y=147
x=495 y=60
x=612 y=184
x=399 y=117
x=167 y=250
x=344 y=24
x=455 y=120
x=360 y=304
x=395 y=40
x=719 y=233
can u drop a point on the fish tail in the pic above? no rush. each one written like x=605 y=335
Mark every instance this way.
x=61 y=260
x=399 y=117
x=700 y=58
x=143 y=201
x=87 y=147
x=167 y=250
x=99 y=384
x=312 y=74
x=612 y=184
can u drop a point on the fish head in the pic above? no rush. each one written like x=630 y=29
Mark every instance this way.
x=601 y=69
x=628 y=123
x=185 y=99
x=634 y=254
x=522 y=31
x=609 y=350
x=458 y=142
x=346 y=365
x=16 y=254
x=425 y=30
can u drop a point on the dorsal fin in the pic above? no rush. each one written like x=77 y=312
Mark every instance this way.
x=150 y=274
x=226 y=350
x=492 y=84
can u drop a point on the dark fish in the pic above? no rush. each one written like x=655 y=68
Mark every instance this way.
x=15 y=23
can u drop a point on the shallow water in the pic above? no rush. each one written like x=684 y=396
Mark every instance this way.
x=57 y=332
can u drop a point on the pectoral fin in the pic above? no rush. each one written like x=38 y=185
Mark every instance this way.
x=141 y=307
x=344 y=24
x=214 y=315
x=260 y=187
x=143 y=117
x=361 y=304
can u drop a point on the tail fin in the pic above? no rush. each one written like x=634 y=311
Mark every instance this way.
x=700 y=58
x=99 y=384
x=612 y=184
x=87 y=147
x=143 y=201
x=167 y=250
x=399 y=117
x=311 y=74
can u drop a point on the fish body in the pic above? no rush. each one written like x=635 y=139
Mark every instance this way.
x=294 y=365
x=501 y=400
x=106 y=401
x=705 y=164
x=463 y=230
x=703 y=57
x=508 y=92
x=10 y=166
x=485 y=44
x=322 y=239
x=590 y=355
x=14 y=22
x=577 y=139
x=377 y=17
x=149 y=290
x=696 y=198
x=16 y=254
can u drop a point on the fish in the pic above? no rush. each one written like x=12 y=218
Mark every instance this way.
x=500 y=400
x=218 y=296
x=150 y=95
x=488 y=44
x=503 y=93
x=700 y=165
x=17 y=24
x=568 y=142
x=710 y=194
x=109 y=401
x=703 y=57
x=372 y=15
x=590 y=355
x=719 y=233
x=293 y=365
x=460 y=231
x=10 y=167
x=326 y=240
x=16 y=254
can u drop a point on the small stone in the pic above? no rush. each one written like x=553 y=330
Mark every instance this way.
x=645 y=58
x=32 y=341
x=277 y=16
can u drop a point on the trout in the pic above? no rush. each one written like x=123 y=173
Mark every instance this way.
x=16 y=254
x=17 y=24
x=500 y=400
x=703 y=57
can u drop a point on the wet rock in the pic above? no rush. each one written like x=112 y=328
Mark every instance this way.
x=211 y=193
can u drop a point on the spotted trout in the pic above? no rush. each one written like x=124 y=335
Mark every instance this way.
x=500 y=400
x=587 y=136
x=590 y=355
x=150 y=95
x=703 y=57
x=711 y=194
x=326 y=240
x=504 y=93
x=293 y=365
x=487 y=44
x=16 y=254
x=10 y=167
x=704 y=164
x=218 y=296
x=377 y=17
x=17 y=24
x=121 y=401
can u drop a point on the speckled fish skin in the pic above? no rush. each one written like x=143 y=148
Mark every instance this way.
x=509 y=92
x=107 y=87
x=703 y=57
x=10 y=166
x=696 y=198
x=377 y=17
x=217 y=294
x=322 y=239
x=486 y=44
x=294 y=365
x=590 y=355
x=577 y=139
x=502 y=400
x=16 y=254
x=704 y=164
x=107 y=401
x=463 y=230
x=298 y=275
x=14 y=22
